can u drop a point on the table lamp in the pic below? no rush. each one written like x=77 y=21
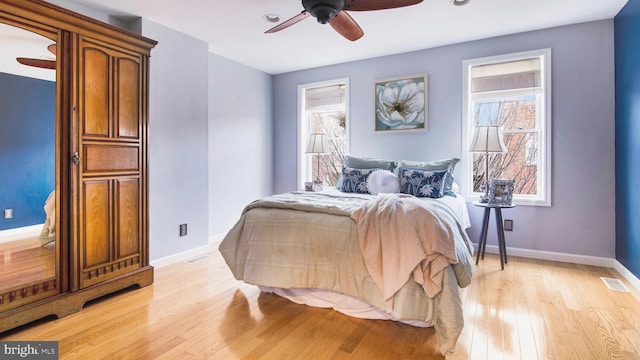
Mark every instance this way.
x=318 y=144
x=487 y=139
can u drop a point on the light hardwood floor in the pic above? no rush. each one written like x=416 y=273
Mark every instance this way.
x=531 y=310
x=24 y=261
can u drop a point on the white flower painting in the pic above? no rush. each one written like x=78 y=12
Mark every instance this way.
x=401 y=104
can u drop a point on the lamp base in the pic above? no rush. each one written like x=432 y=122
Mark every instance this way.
x=317 y=186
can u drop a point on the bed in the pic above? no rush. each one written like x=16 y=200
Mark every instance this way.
x=311 y=248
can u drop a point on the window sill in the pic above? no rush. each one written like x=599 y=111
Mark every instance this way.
x=516 y=201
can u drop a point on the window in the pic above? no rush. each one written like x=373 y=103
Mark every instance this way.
x=323 y=110
x=513 y=91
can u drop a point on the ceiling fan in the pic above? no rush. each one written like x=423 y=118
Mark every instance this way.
x=41 y=63
x=335 y=13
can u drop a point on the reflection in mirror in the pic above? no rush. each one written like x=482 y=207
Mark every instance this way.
x=27 y=157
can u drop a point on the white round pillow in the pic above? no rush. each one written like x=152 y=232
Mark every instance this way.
x=383 y=181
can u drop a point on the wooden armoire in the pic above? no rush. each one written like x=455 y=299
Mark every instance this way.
x=102 y=81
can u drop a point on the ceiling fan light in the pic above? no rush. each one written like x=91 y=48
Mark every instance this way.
x=324 y=13
x=323 y=10
x=460 y=2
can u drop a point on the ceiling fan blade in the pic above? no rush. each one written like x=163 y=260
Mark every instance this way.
x=285 y=24
x=45 y=64
x=52 y=49
x=367 y=5
x=344 y=24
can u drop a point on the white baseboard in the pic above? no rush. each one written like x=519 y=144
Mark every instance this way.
x=185 y=255
x=215 y=240
x=20 y=233
x=570 y=258
x=632 y=279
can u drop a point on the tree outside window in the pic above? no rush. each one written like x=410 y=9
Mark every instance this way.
x=517 y=117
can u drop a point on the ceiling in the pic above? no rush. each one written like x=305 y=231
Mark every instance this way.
x=16 y=42
x=235 y=28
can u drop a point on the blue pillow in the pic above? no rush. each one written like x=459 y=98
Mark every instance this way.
x=446 y=164
x=360 y=162
x=355 y=180
x=423 y=183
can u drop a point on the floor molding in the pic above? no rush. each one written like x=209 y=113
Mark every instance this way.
x=215 y=240
x=182 y=256
x=20 y=233
x=628 y=275
x=570 y=258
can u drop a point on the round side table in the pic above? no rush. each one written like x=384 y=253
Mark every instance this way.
x=482 y=243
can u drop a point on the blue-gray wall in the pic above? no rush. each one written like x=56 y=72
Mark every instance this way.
x=27 y=148
x=178 y=126
x=627 y=51
x=581 y=219
x=240 y=140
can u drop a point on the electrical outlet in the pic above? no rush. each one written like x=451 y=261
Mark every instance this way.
x=8 y=213
x=508 y=225
x=183 y=229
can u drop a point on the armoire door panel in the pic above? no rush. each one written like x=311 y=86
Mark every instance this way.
x=111 y=157
x=128 y=216
x=128 y=98
x=96 y=234
x=96 y=97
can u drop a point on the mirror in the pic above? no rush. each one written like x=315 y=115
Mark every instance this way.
x=27 y=158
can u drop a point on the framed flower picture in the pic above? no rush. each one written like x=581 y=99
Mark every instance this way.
x=401 y=104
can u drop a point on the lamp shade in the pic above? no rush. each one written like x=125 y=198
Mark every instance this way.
x=318 y=144
x=487 y=139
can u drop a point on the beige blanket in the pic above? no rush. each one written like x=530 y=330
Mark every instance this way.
x=399 y=236
x=309 y=240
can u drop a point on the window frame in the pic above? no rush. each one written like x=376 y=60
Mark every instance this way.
x=543 y=198
x=303 y=160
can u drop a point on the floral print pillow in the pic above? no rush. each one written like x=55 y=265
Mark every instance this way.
x=423 y=183
x=355 y=180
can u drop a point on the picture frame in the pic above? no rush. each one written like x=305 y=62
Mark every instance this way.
x=308 y=186
x=401 y=104
x=501 y=192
